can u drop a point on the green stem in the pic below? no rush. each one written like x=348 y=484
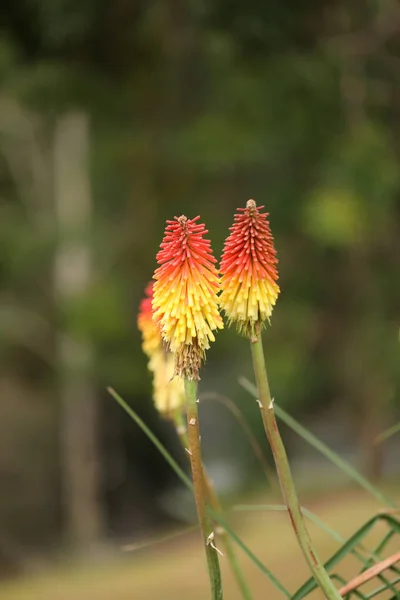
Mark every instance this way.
x=199 y=489
x=285 y=477
x=216 y=505
x=186 y=481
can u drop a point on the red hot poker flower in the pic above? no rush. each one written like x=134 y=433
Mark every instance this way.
x=168 y=391
x=185 y=300
x=248 y=268
x=151 y=335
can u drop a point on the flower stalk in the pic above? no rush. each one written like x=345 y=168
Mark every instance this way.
x=249 y=293
x=206 y=527
x=185 y=312
x=287 y=485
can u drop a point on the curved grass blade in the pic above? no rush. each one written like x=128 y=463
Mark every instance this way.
x=385 y=435
x=186 y=481
x=321 y=447
x=281 y=507
x=146 y=430
x=351 y=543
x=159 y=540
x=237 y=414
x=364 y=555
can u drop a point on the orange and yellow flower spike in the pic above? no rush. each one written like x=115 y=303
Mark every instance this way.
x=168 y=391
x=185 y=300
x=248 y=269
x=151 y=335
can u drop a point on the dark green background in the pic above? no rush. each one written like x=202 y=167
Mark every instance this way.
x=195 y=107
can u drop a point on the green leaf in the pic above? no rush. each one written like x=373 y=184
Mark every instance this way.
x=281 y=507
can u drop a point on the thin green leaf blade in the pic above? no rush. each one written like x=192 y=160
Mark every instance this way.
x=311 y=439
x=385 y=435
x=307 y=513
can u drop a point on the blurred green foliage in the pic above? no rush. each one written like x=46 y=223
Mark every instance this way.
x=194 y=107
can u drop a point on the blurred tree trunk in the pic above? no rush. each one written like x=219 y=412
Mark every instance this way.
x=75 y=353
x=371 y=384
x=372 y=423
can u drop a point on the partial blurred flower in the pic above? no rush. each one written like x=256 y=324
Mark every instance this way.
x=168 y=390
x=151 y=335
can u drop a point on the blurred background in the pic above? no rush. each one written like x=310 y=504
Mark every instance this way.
x=117 y=115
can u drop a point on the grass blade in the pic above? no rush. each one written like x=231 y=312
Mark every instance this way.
x=135 y=547
x=311 y=439
x=385 y=435
x=281 y=507
x=365 y=556
x=255 y=446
